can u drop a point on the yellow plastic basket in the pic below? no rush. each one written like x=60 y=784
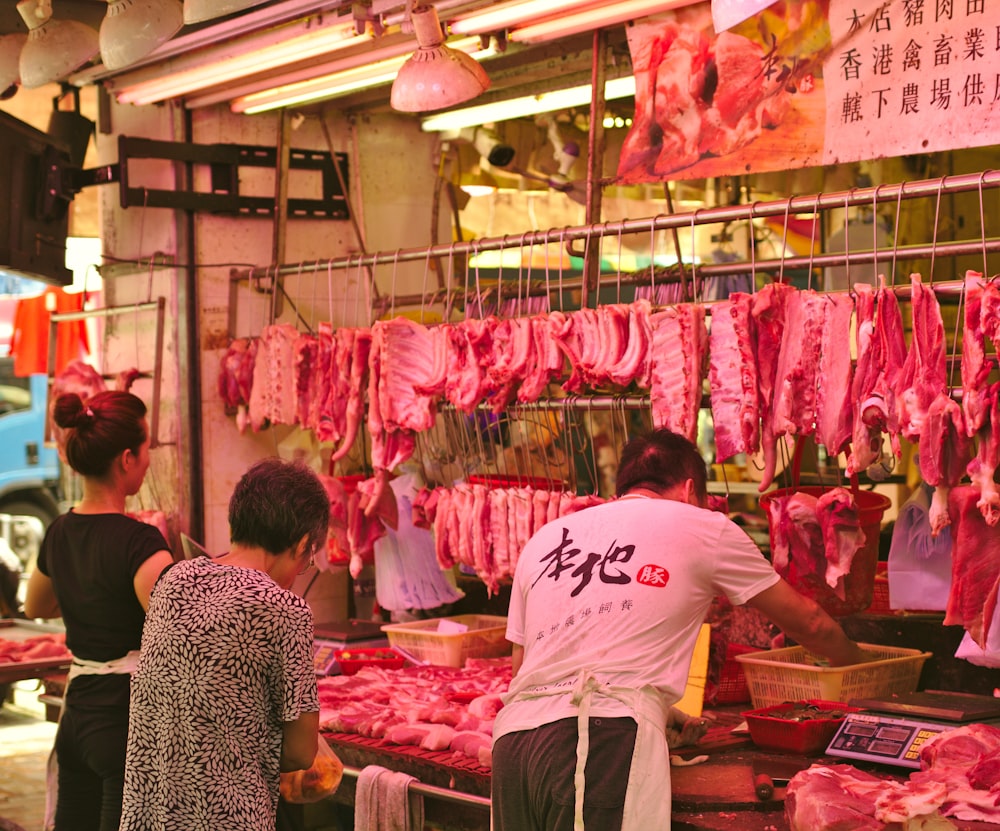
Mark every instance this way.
x=485 y=638
x=793 y=674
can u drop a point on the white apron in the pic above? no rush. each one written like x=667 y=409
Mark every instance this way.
x=647 y=798
x=80 y=666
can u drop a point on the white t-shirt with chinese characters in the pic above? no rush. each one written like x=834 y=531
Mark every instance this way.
x=620 y=589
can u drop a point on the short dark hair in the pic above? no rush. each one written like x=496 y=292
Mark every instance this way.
x=99 y=429
x=275 y=504
x=660 y=460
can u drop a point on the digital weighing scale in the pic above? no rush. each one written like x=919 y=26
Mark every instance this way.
x=344 y=634
x=892 y=730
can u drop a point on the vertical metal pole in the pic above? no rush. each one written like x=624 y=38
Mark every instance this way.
x=281 y=206
x=595 y=168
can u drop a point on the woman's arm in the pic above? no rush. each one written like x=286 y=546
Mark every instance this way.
x=300 y=739
x=147 y=575
x=40 y=600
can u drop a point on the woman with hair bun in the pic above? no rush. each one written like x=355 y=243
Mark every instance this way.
x=96 y=568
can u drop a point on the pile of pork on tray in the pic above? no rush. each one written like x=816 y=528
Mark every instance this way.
x=436 y=708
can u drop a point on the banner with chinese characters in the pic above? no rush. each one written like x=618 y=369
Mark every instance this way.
x=911 y=76
x=810 y=83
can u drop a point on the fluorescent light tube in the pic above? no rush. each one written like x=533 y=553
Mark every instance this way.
x=347 y=79
x=545 y=102
x=503 y=16
x=311 y=44
x=587 y=20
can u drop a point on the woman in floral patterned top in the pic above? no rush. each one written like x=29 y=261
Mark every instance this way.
x=224 y=697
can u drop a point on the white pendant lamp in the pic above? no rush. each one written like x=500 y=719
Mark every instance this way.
x=54 y=47
x=435 y=76
x=198 y=11
x=132 y=29
x=10 y=54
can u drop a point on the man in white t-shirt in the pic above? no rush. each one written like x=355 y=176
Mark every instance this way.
x=604 y=613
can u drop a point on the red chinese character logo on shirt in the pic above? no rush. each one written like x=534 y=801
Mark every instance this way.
x=653 y=576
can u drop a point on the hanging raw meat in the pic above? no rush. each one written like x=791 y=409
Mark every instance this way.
x=547 y=365
x=975 y=366
x=732 y=374
x=923 y=376
x=944 y=454
x=881 y=351
x=768 y=314
x=345 y=407
x=272 y=396
x=982 y=469
x=679 y=349
x=798 y=365
x=305 y=359
x=319 y=383
x=833 y=379
x=469 y=348
x=633 y=364
x=975 y=566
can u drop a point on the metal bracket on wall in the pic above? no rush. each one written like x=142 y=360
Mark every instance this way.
x=224 y=162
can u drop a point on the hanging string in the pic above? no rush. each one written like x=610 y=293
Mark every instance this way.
x=753 y=246
x=875 y=234
x=652 y=259
x=620 y=263
x=695 y=292
x=329 y=288
x=937 y=215
x=895 y=235
x=784 y=241
x=812 y=244
x=423 y=289
x=847 y=236
x=982 y=225
x=392 y=298
x=357 y=294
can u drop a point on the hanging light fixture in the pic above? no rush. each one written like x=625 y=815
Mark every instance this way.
x=132 y=29
x=435 y=76
x=198 y=11
x=10 y=70
x=54 y=47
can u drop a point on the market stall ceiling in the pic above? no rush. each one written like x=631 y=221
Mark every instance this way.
x=513 y=66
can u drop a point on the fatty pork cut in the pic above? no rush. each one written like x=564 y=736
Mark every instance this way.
x=732 y=373
x=768 y=313
x=679 y=350
x=272 y=396
x=833 y=378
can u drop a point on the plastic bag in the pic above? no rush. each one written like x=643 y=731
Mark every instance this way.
x=316 y=782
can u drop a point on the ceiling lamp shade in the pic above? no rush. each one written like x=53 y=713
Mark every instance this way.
x=54 y=47
x=10 y=53
x=198 y=11
x=435 y=76
x=132 y=29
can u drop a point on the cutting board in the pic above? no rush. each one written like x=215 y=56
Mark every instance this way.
x=727 y=784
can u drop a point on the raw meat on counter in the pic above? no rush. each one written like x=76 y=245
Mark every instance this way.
x=432 y=707
x=959 y=777
x=36 y=648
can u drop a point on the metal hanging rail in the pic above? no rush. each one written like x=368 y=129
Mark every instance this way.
x=879 y=194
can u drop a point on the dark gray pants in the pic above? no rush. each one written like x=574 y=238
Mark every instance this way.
x=533 y=776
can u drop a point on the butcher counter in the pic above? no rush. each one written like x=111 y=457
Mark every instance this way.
x=715 y=795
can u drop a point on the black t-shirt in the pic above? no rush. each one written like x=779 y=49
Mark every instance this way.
x=92 y=560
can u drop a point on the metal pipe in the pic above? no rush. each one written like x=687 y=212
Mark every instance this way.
x=960 y=183
x=539 y=288
x=434 y=791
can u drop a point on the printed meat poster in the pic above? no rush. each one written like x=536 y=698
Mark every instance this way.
x=746 y=99
x=810 y=83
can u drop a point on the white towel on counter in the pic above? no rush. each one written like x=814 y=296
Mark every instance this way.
x=382 y=801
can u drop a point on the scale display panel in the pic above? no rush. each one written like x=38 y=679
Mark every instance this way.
x=872 y=737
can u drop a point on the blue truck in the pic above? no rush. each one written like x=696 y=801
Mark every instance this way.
x=29 y=467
